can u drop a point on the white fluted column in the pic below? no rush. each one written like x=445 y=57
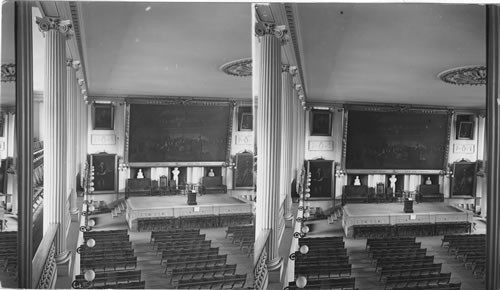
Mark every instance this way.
x=269 y=144
x=286 y=139
x=71 y=96
x=55 y=144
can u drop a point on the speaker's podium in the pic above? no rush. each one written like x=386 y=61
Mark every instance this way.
x=408 y=205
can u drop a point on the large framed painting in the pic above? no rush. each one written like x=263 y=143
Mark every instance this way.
x=384 y=139
x=321 y=123
x=103 y=116
x=178 y=132
x=463 y=182
x=321 y=178
x=105 y=172
x=244 y=173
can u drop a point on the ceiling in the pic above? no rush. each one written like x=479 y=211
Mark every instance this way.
x=358 y=52
x=156 y=49
x=390 y=53
x=165 y=49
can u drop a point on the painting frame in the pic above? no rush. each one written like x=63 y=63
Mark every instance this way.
x=244 y=175
x=463 y=183
x=105 y=174
x=322 y=178
x=246 y=122
x=321 y=122
x=465 y=130
x=103 y=116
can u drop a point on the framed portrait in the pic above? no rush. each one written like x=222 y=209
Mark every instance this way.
x=466 y=130
x=245 y=118
x=103 y=116
x=244 y=171
x=246 y=123
x=321 y=123
x=464 y=179
x=321 y=178
x=105 y=172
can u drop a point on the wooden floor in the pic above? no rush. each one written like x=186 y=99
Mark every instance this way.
x=366 y=278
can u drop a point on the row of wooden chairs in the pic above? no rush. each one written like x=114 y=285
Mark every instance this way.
x=403 y=264
x=192 y=263
x=173 y=233
x=326 y=264
x=446 y=286
x=344 y=283
x=236 y=281
x=448 y=238
x=109 y=279
x=112 y=258
x=470 y=249
x=244 y=235
x=413 y=229
x=8 y=251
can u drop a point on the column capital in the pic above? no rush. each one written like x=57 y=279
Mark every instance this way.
x=262 y=29
x=285 y=68
x=48 y=23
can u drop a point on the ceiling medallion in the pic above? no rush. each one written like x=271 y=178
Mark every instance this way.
x=238 y=68
x=8 y=72
x=466 y=75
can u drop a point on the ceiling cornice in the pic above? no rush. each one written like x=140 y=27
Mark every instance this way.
x=69 y=11
x=294 y=31
x=284 y=16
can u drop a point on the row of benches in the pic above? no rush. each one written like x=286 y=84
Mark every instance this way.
x=413 y=229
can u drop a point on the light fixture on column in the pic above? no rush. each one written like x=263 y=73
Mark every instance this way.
x=89 y=276
x=301 y=281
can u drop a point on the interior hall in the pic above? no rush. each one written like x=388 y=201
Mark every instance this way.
x=297 y=145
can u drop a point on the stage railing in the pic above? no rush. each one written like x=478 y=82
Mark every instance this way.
x=261 y=276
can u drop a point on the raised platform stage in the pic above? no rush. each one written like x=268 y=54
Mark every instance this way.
x=162 y=212
x=389 y=219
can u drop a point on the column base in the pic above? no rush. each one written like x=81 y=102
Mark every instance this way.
x=275 y=265
x=63 y=262
x=75 y=216
x=275 y=273
x=288 y=217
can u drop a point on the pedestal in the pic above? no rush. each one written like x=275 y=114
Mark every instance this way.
x=191 y=198
x=408 y=206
